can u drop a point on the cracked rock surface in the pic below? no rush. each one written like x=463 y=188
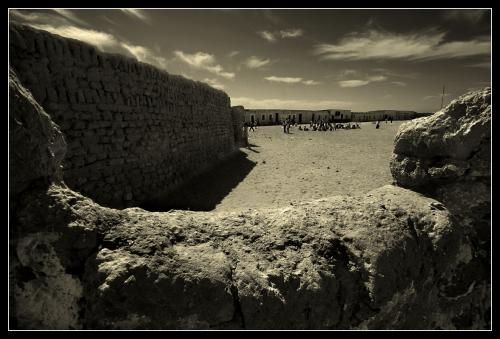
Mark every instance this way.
x=389 y=259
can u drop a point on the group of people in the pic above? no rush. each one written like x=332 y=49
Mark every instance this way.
x=319 y=125
x=287 y=123
x=328 y=126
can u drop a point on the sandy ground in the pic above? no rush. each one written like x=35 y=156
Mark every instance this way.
x=281 y=169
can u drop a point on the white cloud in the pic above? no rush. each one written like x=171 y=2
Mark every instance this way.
x=291 y=33
x=387 y=72
x=136 y=13
x=363 y=82
x=375 y=44
x=346 y=72
x=311 y=82
x=99 y=39
x=286 y=80
x=275 y=103
x=233 y=54
x=58 y=22
x=71 y=16
x=104 y=42
x=268 y=36
x=144 y=54
x=204 y=61
x=399 y=83
x=353 y=83
x=214 y=83
x=47 y=18
x=255 y=62
x=292 y=80
x=283 y=34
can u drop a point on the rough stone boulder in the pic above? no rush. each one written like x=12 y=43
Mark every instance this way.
x=382 y=260
x=448 y=146
x=447 y=156
x=385 y=260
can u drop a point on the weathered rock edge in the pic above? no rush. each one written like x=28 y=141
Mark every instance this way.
x=447 y=156
x=378 y=261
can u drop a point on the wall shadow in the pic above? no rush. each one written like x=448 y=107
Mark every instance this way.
x=206 y=190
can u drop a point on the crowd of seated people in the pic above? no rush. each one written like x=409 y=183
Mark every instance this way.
x=323 y=125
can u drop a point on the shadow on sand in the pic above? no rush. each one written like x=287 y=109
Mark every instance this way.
x=205 y=191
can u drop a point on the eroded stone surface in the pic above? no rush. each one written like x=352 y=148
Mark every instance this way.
x=331 y=263
x=450 y=145
x=447 y=156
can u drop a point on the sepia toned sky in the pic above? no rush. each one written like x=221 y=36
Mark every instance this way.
x=297 y=59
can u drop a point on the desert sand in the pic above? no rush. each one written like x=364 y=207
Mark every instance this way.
x=281 y=169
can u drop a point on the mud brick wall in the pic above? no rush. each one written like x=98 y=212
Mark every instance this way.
x=132 y=130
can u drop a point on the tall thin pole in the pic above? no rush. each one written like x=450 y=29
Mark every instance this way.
x=442 y=97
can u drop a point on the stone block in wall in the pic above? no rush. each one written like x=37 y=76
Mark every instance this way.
x=94 y=125
x=40 y=44
x=71 y=84
x=95 y=84
x=79 y=162
x=17 y=40
x=115 y=162
x=80 y=96
x=75 y=50
x=85 y=54
x=61 y=94
x=58 y=49
x=65 y=125
x=52 y=94
x=80 y=125
x=94 y=75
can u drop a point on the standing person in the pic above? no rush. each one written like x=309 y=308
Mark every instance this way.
x=252 y=126
x=284 y=125
x=378 y=124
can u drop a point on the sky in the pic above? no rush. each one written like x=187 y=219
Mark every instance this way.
x=298 y=58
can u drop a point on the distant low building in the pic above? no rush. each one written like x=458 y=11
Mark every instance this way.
x=277 y=116
x=381 y=115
